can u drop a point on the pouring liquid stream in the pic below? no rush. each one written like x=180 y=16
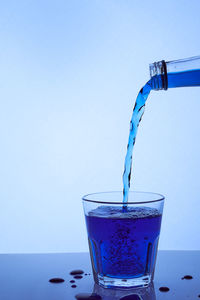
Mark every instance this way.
x=175 y=79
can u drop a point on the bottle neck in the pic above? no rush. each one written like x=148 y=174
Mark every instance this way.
x=177 y=73
x=158 y=73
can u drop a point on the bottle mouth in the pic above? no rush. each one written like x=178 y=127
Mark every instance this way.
x=158 y=73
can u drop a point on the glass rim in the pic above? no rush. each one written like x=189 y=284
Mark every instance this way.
x=160 y=197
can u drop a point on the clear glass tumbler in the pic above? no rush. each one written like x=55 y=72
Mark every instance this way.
x=123 y=238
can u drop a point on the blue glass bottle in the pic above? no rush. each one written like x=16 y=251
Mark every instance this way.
x=177 y=73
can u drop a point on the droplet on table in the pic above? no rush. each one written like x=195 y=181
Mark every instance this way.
x=86 y=296
x=164 y=289
x=56 y=280
x=187 y=277
x=76 y=272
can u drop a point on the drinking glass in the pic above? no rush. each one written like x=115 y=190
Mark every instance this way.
x=123 y=237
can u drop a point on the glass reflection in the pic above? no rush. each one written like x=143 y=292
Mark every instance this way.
x=142 y=293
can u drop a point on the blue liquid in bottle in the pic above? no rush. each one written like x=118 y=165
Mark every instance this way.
x=183 y=79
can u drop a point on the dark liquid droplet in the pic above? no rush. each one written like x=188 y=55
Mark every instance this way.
x=78 y=276
x=86 y=296
x=164 y=289
x=131 y=297
x=198 y=296
x=187 y=277
x=76 y=272
x=72 y=281
x=73 y=286
x=56 y=280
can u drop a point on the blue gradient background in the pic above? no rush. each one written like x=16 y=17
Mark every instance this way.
x=70 y=73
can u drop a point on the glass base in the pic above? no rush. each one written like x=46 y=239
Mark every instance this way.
x=110 y=282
